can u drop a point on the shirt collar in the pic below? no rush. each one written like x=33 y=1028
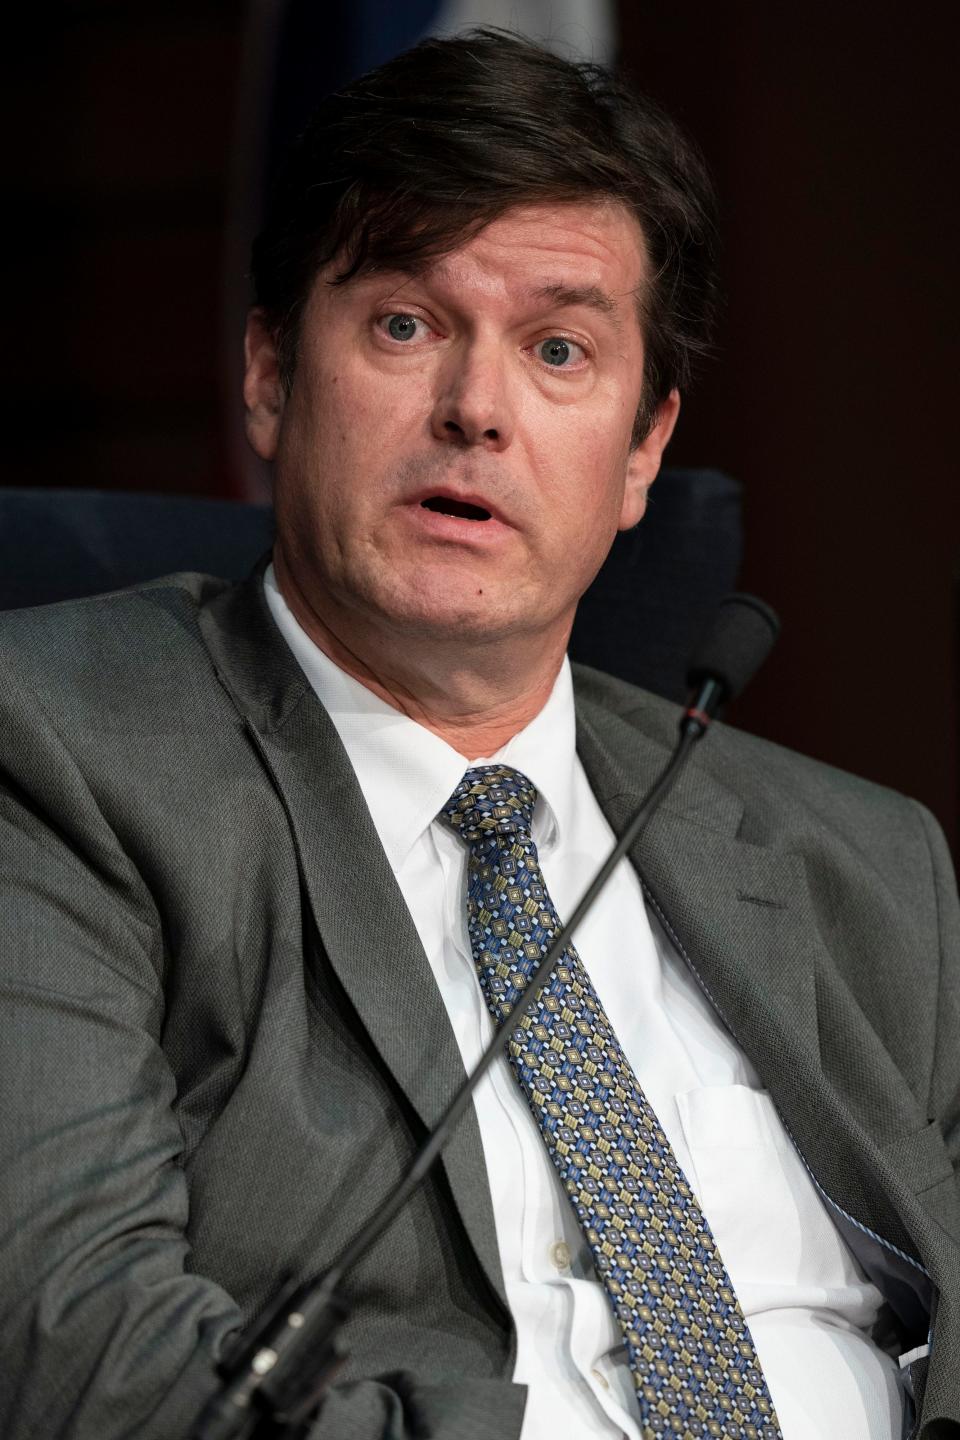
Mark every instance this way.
x=406 y=772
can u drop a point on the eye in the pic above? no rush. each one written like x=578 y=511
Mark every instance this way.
x=402 y=327
x=558 y=352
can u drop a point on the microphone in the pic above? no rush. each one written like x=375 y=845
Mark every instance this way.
x=729 y=655
x=280 y=1366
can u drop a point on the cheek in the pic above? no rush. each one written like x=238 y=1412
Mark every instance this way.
x=367 y=418
x=590 y=432
x=587 y=506
x=589 y=482
x=324 y=426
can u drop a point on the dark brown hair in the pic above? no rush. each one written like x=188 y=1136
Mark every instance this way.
x=417 y=156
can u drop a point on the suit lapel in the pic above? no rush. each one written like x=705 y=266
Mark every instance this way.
x=743 y=917
x=740 y=913
x=367 y=933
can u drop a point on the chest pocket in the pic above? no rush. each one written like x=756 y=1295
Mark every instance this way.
x=766 y=1215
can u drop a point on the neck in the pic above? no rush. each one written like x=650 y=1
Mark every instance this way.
x=475 y=696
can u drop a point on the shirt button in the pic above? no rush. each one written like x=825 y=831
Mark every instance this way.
x=600 y=1379
x=560 y=1255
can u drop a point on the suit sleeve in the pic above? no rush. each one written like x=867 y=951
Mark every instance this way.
x=104 y=1331
x=944 y=1095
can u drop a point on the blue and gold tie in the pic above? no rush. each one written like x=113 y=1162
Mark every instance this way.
x=691 y=1355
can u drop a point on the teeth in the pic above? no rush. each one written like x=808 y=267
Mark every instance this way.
x=443 y=505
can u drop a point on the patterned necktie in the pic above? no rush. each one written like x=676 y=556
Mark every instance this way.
x=691 y=1355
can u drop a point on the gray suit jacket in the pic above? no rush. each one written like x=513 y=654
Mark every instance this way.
x=222 y=1040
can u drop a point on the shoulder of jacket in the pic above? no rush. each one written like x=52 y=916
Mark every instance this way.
x=75 y=651
x=774 y=782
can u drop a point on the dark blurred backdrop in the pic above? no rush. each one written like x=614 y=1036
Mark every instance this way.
x=133 y=166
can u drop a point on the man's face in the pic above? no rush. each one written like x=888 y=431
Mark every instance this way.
x=453 y=458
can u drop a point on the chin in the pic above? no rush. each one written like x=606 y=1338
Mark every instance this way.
x=437 y=613
x=445 y=623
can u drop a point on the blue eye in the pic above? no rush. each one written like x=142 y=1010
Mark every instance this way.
x=557 y=352
x=402 y=327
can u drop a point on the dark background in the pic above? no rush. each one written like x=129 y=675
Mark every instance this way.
x=832 y=397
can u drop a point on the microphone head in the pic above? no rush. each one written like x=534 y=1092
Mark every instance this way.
x=736 y=645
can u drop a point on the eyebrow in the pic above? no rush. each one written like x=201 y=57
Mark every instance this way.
x=569 y=295
x=553 y=293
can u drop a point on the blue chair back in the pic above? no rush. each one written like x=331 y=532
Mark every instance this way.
x=640 y=619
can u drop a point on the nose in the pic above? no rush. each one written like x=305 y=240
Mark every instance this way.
x=473 y=404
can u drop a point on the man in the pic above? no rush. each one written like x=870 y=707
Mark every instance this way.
x=255 y=840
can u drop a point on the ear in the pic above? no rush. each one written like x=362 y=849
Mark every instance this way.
x=644 y=461
x=263 y=394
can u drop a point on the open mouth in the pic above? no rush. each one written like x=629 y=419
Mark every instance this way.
x=442 y=505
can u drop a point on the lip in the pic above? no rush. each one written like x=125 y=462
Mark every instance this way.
x=462 y=497
x=434 y=526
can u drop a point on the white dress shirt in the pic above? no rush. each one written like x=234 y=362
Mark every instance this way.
x=807 y=1303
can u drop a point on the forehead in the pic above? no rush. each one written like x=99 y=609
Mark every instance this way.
x=544 y=255
x=590 y=244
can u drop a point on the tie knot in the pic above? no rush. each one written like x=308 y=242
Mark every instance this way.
x=491 y=800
